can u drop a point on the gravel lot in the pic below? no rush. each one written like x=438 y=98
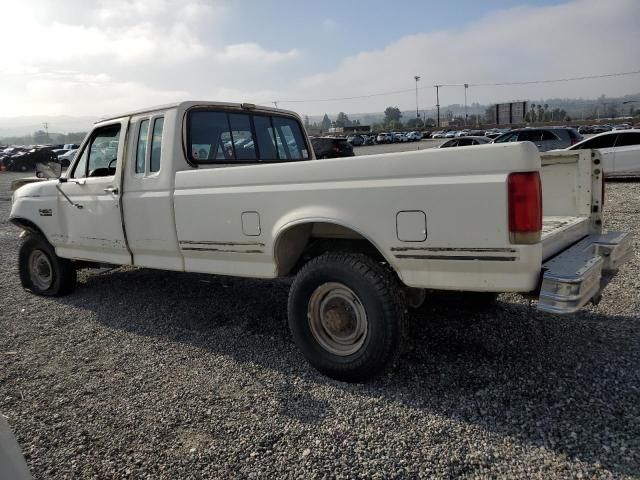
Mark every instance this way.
x=146 y=374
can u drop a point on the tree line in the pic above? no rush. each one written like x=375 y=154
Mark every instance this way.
x=40 y=137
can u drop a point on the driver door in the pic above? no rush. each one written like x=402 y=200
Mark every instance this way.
x=91 y=216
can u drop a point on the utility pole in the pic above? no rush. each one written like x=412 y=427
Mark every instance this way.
x=417 y=79
x=437 y=105
x=466 y=115
x=46 y=128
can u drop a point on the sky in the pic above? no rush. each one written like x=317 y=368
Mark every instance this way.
x=97 y=58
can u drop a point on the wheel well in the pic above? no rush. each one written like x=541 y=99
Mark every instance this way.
x=27 y=225
x=298 y=244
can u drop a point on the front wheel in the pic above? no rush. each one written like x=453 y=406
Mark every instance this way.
x=346 y=315
x=42 y=271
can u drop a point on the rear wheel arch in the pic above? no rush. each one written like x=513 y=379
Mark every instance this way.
x=313 y=237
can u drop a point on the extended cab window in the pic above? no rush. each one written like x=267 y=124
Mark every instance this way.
x=99 y=157
x=141 y=152
x=226 y=137
x=156 y=145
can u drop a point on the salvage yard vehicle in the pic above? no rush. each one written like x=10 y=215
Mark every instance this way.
x=620 y=151
x=365 y=237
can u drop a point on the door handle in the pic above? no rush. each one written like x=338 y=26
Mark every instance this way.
x=113 y=190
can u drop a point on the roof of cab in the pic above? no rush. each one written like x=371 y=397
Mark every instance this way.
x=184 y=105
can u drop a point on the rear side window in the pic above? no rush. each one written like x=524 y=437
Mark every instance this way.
x=156 y=145
x=628 y=139
x=605 y=141
x=141 y=151
x=226 y=137
x=547 y=135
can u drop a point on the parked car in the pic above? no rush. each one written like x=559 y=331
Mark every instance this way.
x=551 y=138
x=25 y=160
x=620 y=151
x=414 y=136
x=462 y=133
x=399 y=137
x=465 y=142
x=438 y=134
x=450 y=134
x=585 y=129
x=331 y=147
x=369 y=139
x=384 y=138
x=356 y=140
x=622 y=126
x=67 y=158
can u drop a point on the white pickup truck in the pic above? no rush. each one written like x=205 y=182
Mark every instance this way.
x=234 y=189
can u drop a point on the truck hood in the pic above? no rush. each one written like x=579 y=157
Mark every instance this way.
x=39 y=188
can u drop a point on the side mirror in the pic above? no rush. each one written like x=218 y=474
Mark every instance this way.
x=48 y=169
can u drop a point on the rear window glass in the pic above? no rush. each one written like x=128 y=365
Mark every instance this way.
x=226 y=137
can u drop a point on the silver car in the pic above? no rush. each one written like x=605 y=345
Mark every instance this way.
x=545 y=139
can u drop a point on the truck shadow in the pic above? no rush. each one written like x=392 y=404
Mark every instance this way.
x=563 y=384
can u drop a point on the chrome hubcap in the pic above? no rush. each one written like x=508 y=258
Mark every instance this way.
x=337 y=319
x=40 y=270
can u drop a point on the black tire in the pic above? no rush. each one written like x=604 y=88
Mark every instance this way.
x=375 y=289
x=62 y=272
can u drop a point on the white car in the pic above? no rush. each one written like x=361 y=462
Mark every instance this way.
x=462 y=133
x=414 y=136
x=67 y=158
x=620 y=150
x=399 y=137
x=384 y=138
x=451 y=134
x=438 y=134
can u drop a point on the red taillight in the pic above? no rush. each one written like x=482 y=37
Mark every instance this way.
x=525 y=207
x=574 y=141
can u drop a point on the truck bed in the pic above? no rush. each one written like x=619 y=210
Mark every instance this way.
x=560 y=231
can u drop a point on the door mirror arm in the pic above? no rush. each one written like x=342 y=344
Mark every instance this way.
x=61 y=180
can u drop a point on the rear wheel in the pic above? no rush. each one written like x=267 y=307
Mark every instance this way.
x=42 y=271
x=346 y=315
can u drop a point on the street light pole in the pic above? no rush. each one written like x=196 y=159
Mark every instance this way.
x=417 y=79
x=437 y=105
x=466 y=116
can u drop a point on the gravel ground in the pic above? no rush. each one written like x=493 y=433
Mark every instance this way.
x=141 y=374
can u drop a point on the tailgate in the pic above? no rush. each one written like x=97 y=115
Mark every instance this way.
x=576 y=254
x=571 y=198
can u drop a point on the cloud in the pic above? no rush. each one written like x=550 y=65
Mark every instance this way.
x=525 y=43
x=253 y=53
x=98 y=57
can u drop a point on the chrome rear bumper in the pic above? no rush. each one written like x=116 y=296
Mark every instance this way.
x=574 y=277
